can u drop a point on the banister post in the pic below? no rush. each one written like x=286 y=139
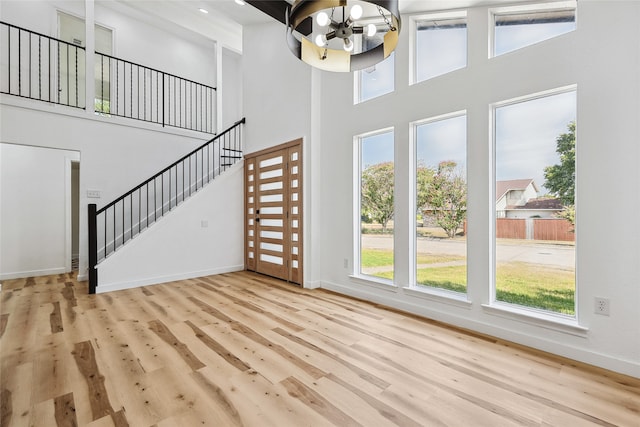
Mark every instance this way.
x=163 y=99
x=93 y=248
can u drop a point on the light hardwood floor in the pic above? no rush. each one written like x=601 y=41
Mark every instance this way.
x=246 y=350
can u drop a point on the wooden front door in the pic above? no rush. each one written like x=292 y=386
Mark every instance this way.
x=273 y=212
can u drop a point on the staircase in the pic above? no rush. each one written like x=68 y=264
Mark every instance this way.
x=112 y=226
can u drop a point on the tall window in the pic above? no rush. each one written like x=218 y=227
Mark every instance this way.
x=441 y=203
x=535 y=143
x=515 y=28
x=440 y=45
x=376 y=207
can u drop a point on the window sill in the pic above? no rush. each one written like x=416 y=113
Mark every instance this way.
x=555 y=322
x=439 y=295
x=384 y=284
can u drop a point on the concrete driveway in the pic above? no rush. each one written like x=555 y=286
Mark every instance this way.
x=557 y=255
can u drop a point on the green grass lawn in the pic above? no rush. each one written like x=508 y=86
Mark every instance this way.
x=530 y=285
x=381 y=257
x=536 y=286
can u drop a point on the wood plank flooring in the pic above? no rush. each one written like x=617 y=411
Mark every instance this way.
x=246 y=350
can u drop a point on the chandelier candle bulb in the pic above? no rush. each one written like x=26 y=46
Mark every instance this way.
x=322 y=19
x=321 y=40
x=348 y=45
x=356 y=12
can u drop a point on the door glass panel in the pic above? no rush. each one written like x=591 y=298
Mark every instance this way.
x=270 y=162
x=271 y=247
x=271 y=174
x=271 y=234
x=271 y=198
x=271 y=186
x=272 y=259
x=276 y=210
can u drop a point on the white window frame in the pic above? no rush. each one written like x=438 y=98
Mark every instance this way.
x=357 y=205
x=413 y=42
x=442 y=295
x=357 y=82
x=548 y=318
x=531 y=8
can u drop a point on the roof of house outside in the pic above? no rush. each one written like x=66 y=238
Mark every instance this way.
x=502 y=187
x=542 y=203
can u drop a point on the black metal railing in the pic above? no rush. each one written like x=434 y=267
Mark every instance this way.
x=127 y=89
x=37 y=66
x=41 y=67
x=121 y=220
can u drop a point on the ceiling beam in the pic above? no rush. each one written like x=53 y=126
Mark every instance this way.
x=277 y=9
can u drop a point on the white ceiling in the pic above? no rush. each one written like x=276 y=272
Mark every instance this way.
x=225 y=18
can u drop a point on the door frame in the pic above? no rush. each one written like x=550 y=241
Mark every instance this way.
x=250 y=158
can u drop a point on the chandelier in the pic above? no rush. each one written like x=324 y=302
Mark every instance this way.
x=343 y=35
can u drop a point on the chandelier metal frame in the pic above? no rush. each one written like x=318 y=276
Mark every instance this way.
x=341 y=60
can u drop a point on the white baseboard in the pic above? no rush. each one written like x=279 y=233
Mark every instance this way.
x=109 y=287
x=33 y=273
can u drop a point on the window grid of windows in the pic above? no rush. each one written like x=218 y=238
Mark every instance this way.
x=523 y=26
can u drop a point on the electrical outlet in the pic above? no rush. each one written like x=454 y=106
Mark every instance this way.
x=204 y=223
x=346 y=263
x=601 y=306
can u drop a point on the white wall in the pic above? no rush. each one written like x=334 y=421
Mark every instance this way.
x=602 y=57
x=180 y=246
x=115 y=154
x=35 y=192
x=160 y=45
x=230 y=88
x=276 y=89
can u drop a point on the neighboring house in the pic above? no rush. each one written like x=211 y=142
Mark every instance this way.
x=540 y=207
x=512 y=194
x=515 y=198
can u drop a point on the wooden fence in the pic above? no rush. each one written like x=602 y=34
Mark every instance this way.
x=535 y=229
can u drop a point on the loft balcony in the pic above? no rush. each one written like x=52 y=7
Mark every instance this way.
x=42 y=68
